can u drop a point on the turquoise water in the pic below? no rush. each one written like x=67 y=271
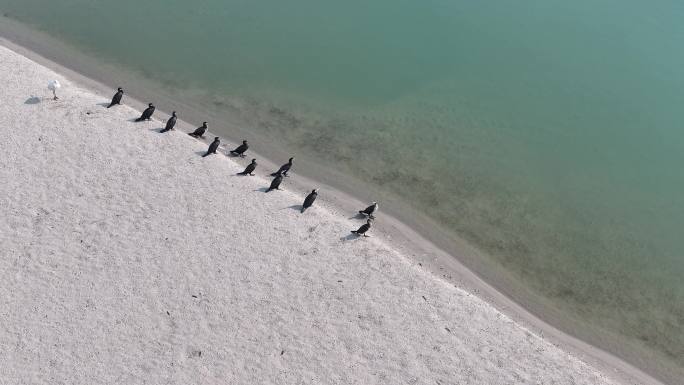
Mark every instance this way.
x=546 y=133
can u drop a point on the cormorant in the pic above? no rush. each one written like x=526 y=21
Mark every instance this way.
x=368 y=211
x=213 y=147
x=284 y=168
x=362 y=230
x=240 y=150
x=276 y=182
x=117 y=97
x=199 y=132
x=249 y=169
x=170 y=123
x=147 y=114
x=309 y=200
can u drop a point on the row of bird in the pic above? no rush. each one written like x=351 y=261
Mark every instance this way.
x=249 y=170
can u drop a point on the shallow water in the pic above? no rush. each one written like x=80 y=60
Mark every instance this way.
x=547 y=133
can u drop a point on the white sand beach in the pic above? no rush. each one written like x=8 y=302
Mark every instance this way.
x=127 y=258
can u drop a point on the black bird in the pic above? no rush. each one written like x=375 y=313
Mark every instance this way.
x=117 y=97
x=170 y=123
x=240 y=150
x=309 y=200
x=284 y=168
x=368 y=211
x=362 y=230
x=249 y=169
x=147 y=114
x=213 y=147
x=276 y=182
x=199 y=132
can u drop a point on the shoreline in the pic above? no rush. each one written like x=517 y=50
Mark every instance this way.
x=441 y=264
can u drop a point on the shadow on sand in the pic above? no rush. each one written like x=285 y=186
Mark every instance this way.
x=32 y=100
x=350 y=237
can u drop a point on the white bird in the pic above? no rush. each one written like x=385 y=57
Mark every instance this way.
x=53 y=85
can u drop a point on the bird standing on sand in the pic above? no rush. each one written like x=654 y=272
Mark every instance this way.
x=199 y=132
x=116 y=99
x=284 y=168
x=53 y=85
x=249 y=169
x=241 y=149
x=309 y=200
x=364 y=228
x=213 y=147
x=147 y=114
x=368 y=211
x=170 y=123
x=276 y=182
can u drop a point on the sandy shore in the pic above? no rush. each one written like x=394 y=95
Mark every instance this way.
x=128 y=258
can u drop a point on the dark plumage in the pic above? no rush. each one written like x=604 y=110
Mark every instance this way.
x=213 y=147
x=240 y=150
x=368 y=211
x=284 y=168
x=363 y=229
x=276 y=182
x=170 y=123
x=199 y=132
x=117 y=97
x=147 y=114
x=309 y=200
x=249 y=169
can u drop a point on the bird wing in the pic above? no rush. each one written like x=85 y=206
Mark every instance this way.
x=309 y=200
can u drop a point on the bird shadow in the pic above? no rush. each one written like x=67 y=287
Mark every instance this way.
x=32 y=100
x=262 y=189
x=200 y=153
x=294 y=207
x=103 y=104
x=135 y=120
x=358 y=216
x=159 y=130
x=350 y=237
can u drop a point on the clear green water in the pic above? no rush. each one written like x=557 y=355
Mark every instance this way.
x=547 y=133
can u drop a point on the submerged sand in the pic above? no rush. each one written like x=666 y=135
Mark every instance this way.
x=129 y=258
